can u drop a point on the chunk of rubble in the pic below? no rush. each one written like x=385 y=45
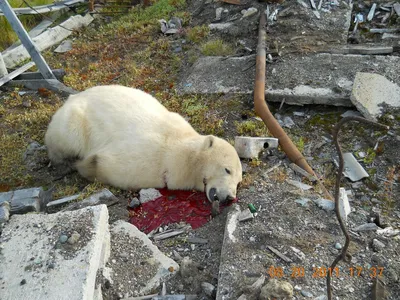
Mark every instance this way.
x=277 y=289
x=325 y=204
x=388 y=231
x=146 y=195
x=157 y=267
x=245 y=215
x=26 y=200
x=249 y=12
x=366 y=227
x=58 y=271
x=352 y=168
x=371 y=91
x=250 y=147
x=300 y=185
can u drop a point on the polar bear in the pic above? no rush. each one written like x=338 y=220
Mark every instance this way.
x=124 y=137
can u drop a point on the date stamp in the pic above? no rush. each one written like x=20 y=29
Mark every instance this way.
x=323 y=272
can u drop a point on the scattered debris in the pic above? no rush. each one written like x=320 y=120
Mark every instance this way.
x=278 y=253
x=250 y=147
x=300 y=254
x=352 y=168
x=174 y=25
x=249 y=12
x=208 y=289
x=269 y=170
x=298 y=184
x=134 y=203
x=167 y=234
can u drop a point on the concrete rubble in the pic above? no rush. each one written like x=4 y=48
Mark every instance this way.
x=371 y=92
x=236 y=75
x=36 y=264
x=62 y=255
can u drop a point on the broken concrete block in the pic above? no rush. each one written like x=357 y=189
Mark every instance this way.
x=344 y=205
x=371 y=91
x=352 y=169
x=366 y=227
x=26 y=200
x=57 y=271
x=146 y=195
x=152 y=265
x=4 y=212
x=250 y=147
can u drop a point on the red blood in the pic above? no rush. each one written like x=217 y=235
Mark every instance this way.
x=172 y=207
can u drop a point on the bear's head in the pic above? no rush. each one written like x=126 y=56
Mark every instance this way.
x=221 y=169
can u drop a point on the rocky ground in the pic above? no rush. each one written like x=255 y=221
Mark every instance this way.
x=213 y=262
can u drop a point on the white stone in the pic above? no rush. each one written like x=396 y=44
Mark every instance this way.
x=146 y=195
x=372 y=90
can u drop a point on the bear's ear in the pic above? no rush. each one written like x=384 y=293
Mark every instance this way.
x=209 y=141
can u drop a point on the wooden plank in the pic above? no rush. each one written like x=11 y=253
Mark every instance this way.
x=47 y=39
x=42 y=26
x=3 y=69
x=26 y=40
x=43 y=9
x=15 y=73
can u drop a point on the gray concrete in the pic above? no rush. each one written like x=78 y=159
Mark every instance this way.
x=146 y=266
x=313 y=79
x=36 y=265
x=371 y=91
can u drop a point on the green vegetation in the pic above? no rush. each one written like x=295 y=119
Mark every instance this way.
x=251 y=128
x=197 y=33
x=216 y=48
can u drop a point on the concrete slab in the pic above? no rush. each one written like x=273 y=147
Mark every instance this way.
x=371 y=92
x=313 y=79
x=38 y=263
x=136 y=261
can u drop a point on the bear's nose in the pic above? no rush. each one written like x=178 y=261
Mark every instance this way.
x=229 y=198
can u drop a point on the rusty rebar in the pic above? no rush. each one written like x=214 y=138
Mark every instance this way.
x=343 y=255
x=265 y=114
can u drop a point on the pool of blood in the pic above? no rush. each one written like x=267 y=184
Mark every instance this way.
x=191 y=207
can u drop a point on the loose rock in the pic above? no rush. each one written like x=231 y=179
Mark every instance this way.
x=74 y=238
x=306 y=294
x=208 y=289
x=278 y=289
x=377 y=245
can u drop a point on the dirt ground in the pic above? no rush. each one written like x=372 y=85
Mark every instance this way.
x=281 y=222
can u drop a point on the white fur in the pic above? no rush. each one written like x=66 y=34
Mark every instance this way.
x=126 y=138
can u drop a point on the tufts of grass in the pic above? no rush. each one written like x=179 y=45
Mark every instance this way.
x=198 y=33
x=251 y=128
x=216 y=48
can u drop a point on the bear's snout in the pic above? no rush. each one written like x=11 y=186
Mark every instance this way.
x=215 y=195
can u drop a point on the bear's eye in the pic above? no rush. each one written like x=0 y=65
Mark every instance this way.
x=227 y=171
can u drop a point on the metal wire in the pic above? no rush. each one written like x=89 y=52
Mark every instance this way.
x=343 y=255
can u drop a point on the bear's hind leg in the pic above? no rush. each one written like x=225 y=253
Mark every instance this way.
x=87 y=167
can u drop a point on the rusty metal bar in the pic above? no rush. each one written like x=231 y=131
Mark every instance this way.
x=265 y=114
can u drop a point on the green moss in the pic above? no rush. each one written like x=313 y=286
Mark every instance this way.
x=251 y=128
x=370 y=157
x=197 y=33
x=216 y=48
x=325 y=121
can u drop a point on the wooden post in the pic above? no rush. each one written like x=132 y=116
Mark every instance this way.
x=3 y=69
x=26 y=40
